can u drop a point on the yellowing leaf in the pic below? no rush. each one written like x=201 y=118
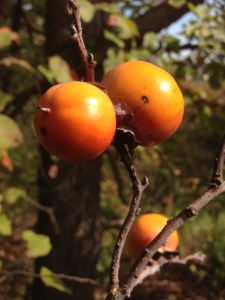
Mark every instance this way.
x=12 y=194
x=47 y=276
x=59 y=68
x=5 y=225
x=10 y=133
x=87 y=10
x=38 y=244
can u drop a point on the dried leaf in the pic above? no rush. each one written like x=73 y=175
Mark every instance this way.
x=6 y=161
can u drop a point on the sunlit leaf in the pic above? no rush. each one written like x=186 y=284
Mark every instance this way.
x=176 y=3
x=37 y=244
x=128 y=28
x=87 y=10
x=5 y=225
x=12 y=194
x=10 y=134
x=150 y=39
x=193 y=8
x=110 y=8
x=113 y=59
x=60 y=69
x=47 y=276
x=46 y=73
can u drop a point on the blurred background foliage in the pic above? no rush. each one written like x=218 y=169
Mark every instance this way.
x=192 y=49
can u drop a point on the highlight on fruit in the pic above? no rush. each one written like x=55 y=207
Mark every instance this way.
x=143 y=231
x=153 y=96
x=75 y=121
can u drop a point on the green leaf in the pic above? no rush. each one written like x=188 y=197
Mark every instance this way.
x=5 y=99
x=113 y=59
x=113 y=38
x=10 y=134
x=59 y=68
x=110 y=8
x=128 y=28
x=5 y=225
x=87 y=10
x=172 y=42
x=38 y=244
x=47 y=276
x=12 y=194
x=176 y=3
x=46 y=73
x=150 y=40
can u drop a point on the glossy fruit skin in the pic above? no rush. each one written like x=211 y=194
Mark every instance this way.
x=152 y=94
x=81 y=122
x=144 y=229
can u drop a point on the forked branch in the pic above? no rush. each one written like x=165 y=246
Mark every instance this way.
x=118 y=290
x=217 y=187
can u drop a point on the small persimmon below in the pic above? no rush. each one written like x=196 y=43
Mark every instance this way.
x=143 y=231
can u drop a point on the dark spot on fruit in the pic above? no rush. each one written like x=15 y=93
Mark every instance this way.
x=43 y=130
x=144 y=99
x=150 y=136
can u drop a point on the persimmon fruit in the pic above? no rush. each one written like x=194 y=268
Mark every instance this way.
x=75 y=121
x=143 y=231
x=152 y=94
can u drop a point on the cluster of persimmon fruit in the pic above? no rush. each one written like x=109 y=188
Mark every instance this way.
x=76 y=121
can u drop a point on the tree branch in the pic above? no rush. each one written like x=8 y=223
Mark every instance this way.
x=76 y=36
x=161 y=16
x=53 y=275
x=217 y=187
x=47 y=209
x=138 y=187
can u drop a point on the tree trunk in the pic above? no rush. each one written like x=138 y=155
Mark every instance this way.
x=71 y=189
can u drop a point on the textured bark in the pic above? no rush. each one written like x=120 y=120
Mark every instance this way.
x=72 y=189
x=74 y=196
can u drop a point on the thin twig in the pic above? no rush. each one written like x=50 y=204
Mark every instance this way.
x=47 y=209
x=138 y=188
x=53 y=275
x=76 y=35
x=176 y=222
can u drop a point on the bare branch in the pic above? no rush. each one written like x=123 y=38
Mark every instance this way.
x=138 y=188
x=176 y=222
x=48 y=210
x=155 y=266
x=54 y=275
x=161 y=16
x=76 y=36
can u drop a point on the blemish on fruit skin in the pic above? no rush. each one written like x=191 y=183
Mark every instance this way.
x=43 y=130
x=144 y=99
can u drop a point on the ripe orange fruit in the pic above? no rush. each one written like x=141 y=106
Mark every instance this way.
x=75 y=121
x=143 y=231
x=152 y=94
